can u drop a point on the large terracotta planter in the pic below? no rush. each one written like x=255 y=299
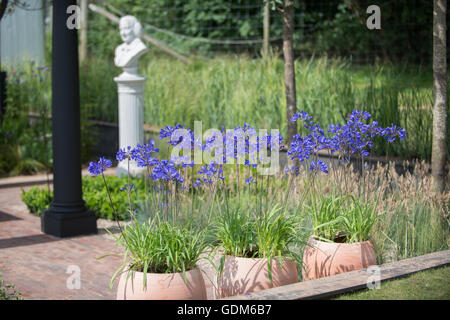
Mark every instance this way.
x=243 y=275
x=322 y=259
x=160 y=286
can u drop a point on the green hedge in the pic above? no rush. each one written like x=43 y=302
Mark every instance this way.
x=38 y=199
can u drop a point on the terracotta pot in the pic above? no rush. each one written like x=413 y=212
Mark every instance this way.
x=243 y=275
x=162 y=286
x=322 y=259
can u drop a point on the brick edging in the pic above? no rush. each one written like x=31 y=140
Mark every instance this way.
x=23 y=181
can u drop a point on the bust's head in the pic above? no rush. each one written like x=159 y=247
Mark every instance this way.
x=130 y=29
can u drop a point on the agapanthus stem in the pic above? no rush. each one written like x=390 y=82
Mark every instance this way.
x=212 y=202
x=238 y=181
x=114 y=209
x=291 y=179
x=334 y=170
x=192 y=190
x=129 y=190
x=147 y=186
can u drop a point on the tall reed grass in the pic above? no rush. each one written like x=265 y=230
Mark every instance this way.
x=229 y=91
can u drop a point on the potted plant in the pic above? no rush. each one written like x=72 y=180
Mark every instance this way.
x=160 y=263
x=341 y=225
x=253 y=235
x=341 y=238
x=160 y=257
x=256 y=251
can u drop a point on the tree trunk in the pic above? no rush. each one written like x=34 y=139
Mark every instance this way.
x=289 y=71
x=266 y=29
x=83 y=31
x=438 y=157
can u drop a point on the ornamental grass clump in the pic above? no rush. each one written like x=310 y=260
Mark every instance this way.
x=342 y=219
x=357 y=220
x=236 y=234
x=324 y=215
x=276 y=233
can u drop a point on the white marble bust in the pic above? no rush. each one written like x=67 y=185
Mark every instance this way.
x=128 y=53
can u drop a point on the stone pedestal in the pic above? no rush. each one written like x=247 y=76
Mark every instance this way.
x=131 y=116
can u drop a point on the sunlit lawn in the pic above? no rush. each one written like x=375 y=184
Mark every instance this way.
x=426 y=285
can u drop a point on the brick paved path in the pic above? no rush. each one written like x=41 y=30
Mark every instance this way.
x=36 y=263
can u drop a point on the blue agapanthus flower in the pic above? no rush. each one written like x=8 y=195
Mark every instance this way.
x=304 y=146
x=124 y=153
x=356 y=137
x=302 y=115
x=250 y=180
x=185 y=161
x=197 y=183
x=209 y=174
x=392 y=132
x=168 y=130
x=143 y=154
x=127 y=188
x=166 y=171
x=318 y=165
x=97 y=168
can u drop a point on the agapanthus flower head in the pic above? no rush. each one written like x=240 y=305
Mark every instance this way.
x=302 y=115
x=166 y=171
x=243 y=143
x=168 y=130
x=97 y=168
x=127 y=188
x=271 y=141
x=358 y=115
x=197 y=183
x=318 y=165
x=184 y=161
x=251 y=180
x=302 y=147
x=124 y=153
x=216 y=140
x=356 y=137
x=392 y=132
x=211 y=173
x=143 y=154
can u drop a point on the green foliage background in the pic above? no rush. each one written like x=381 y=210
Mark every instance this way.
x=94 y=194
x=334 y=27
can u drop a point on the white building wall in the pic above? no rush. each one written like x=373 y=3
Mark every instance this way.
x=22 y=34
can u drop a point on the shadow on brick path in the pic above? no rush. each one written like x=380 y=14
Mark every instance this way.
x=39 y=265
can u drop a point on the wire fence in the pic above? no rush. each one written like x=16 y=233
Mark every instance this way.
x=332 y=27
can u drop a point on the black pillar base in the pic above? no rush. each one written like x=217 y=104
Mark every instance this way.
x=68 y=224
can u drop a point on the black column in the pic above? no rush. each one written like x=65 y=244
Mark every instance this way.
x=2 y=94
x=67 y=215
